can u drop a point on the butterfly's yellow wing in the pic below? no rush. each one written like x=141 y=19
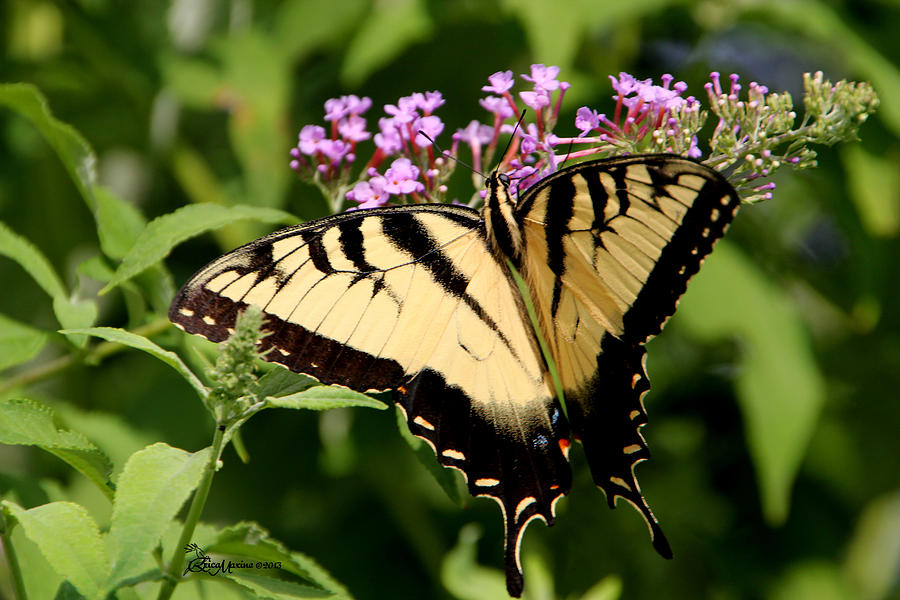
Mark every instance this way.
x=609 y=247
x=409 y=299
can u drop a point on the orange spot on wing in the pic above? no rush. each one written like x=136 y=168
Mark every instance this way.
x=564 y=447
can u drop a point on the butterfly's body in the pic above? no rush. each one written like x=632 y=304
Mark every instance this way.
x=420 y=300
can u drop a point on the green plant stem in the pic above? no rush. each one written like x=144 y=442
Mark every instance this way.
x=14 y=569
x=173 y=573
x=97 y=353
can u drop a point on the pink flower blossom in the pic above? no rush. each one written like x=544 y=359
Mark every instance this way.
x=498 y=106
x=586 y=120
x=429 y=101
x=353 y=128
x=369 y=194
x=431 y=125
x=536 y=100
x=402 y=177
x=310 y=136
x=543 y=78
x=404 y=111
x=501 y=81
x=389 y=140
x=334 y=149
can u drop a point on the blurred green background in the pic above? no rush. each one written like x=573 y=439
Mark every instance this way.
x=775 y=411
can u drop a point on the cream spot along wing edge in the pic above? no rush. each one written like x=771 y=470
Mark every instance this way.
x=610 y=247
x=407 y=299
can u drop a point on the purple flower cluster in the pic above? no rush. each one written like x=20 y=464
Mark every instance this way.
x=328 y=154
x=326 y=157
x=645 y=114
x=418 y=170
x=530 y=155
x=400 y=178
x=407 y=165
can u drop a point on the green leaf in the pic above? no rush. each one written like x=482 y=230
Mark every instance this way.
x=449 y=479
x=813 y=579
x=390 y=28
x=31 y=259
x=118 y=438
x=40 y=578
x=282 y=382
x=69 y=312
x=157 y=286
x=608 y=588
x=119 y=223
x=250 y=541
x=874 y=185
x=264 y=586
x=75 y=153
x=28 y=423
x=75 y=314
x=873 y=554
x=67 y=591
x=133 y=340
x=780 y=387
x=324 y=397
x=464 y=578
x=70 y=541
x=154 y=485
x=95 y=267
x=165 y=232
x=18 y=342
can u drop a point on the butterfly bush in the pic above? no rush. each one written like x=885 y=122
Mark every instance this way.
x=756 y=132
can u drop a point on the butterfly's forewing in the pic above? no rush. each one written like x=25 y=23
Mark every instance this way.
x=409 y=299
x=609 y=248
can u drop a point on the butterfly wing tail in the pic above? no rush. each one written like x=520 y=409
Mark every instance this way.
x=608 y=421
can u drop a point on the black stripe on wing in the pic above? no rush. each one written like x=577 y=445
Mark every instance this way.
x=560 y=207
x=705 y=223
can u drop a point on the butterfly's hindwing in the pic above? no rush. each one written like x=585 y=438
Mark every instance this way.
x=500 y=458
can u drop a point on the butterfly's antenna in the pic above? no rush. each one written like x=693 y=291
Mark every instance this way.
x=509 y=145
x=568 y=152
x=448 y=155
